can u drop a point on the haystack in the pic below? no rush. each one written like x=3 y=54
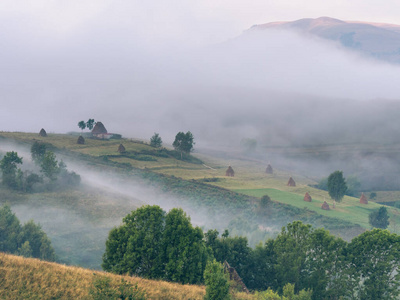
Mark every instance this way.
x=291 y=182
x=43 y=133
x=307 y=197
x=269 y=170
x=325 y=206
x=121 y=148
x=80 y=140
x=363 y=199
x=229 y=172
x=99 y=128
x=235 y=278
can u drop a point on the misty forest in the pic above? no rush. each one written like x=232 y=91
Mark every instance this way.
x=196 y=151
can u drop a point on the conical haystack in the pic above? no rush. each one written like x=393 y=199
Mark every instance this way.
x=99 y=128
x=325 y=206
x=80 y=140
x=291 y=182
x=363 y=199
x=43 y=132
x=121 y=148
x=269 y=170
x=307 y=197
x=229 y=172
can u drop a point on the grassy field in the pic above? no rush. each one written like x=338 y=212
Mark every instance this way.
x=250 y=177
x=27 y=278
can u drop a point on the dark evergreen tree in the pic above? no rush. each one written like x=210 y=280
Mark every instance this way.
x=337 y=187
x=156 y=141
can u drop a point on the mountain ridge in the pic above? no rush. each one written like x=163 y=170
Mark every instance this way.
x=379 y=40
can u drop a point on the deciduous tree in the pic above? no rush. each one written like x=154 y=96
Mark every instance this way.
x=184 y=142
x=379 y=218
x=8 y=166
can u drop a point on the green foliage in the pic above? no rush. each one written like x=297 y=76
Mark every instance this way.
x=102 y=289
x=185 y=255
x=372 y=196
x=183 y=142
x=38 y=151
x=374 y=261
x=10 y=229
x=89 y=124
x=216 y=281
x=288 y=293
x=379 y=218
x=265 y=201
x=156 y=141
x=153 y=244
x=28 y=240
x=337 y=186
x=49 y=166
x=8 y=166
x=82 y=125
x=309 y=258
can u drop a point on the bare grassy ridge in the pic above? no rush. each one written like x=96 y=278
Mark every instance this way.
x=29 y=278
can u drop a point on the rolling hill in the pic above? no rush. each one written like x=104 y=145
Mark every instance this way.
x=379 y=40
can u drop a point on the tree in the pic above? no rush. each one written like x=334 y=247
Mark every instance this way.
x=8 y=166
x=337 y=186
x=38 y=151
x=135 y=247
x=82 y=125
x=156 y=141
x=27 y=240
x=10 y=229
x=49 y=166
x=216 y=281
x=153 y=244
x=379 y=218
x=90 y=123
x=374 y=260
x=265 y=201
x=185 y=254
x=183 y=142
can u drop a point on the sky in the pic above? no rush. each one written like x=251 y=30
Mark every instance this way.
x=166 y=66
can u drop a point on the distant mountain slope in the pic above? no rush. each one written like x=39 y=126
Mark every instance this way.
x=377 y=39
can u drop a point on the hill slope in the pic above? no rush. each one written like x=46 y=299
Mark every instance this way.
x=27 y=278
x=377 y=39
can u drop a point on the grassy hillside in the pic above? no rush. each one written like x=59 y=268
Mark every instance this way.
x=250 y=177
x=26 y=278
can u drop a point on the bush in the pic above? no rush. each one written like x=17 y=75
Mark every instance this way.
x=217 y=284
x=103 y=290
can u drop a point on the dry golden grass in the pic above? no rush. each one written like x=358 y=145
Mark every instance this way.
x=28 y=278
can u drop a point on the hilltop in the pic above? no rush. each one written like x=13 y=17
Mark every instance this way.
x=379 y=40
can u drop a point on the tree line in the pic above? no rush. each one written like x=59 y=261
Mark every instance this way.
x=53 y=173
x=28 y=240
x=154 y=244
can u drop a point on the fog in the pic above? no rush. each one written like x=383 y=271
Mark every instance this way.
x=139 y=78
x=166 y=67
